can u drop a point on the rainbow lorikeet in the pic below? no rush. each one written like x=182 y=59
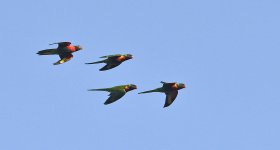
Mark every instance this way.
x=64 y=50
x=170 y=90
x=112 y=61
x=116 y=92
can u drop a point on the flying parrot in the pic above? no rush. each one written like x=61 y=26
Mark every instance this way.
x=116 y=92
x=112 y=61
x=64 y=50
x=170 y=90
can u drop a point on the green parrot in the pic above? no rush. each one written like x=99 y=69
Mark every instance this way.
x=116 y=92
x=170 y=90
x=64 y=50
x=112 y=61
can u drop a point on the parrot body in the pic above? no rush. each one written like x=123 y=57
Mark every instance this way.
x=170 y=90
x=116 y=92
x=64 y=50
x=112 y=61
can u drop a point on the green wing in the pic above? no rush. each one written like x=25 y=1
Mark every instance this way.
x=109 y=66
x=62 y=44
x=116 y=55
x=64 y=58
x=114 y=96
x=170 y=97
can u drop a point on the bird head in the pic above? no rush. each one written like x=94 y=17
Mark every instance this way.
x=78 y=47
x=128 y=56
x=181 y=85
x=132 y=86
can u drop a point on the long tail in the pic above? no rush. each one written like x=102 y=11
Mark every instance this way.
x=155 y=90
x=97 y=62
x=48 y=52
x=105 y=89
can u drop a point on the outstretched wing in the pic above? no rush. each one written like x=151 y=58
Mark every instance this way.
x=109 y=66
x=116 y=55
x=114 y=96
x=170 y=97
x=64 y=57
x=62 y=44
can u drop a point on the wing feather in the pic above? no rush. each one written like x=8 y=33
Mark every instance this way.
x=109 y=66
x=114 y=96
x=170 y=97
x=64 y=58
x=107 y=56
x=62 y=44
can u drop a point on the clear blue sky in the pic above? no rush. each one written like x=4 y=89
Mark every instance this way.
x=227 y=52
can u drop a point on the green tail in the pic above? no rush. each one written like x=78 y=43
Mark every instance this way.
x=150 y=91
x=97 y=62
x=48 y=52
x=105 y=89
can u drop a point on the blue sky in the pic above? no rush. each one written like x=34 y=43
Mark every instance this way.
x=227 y=52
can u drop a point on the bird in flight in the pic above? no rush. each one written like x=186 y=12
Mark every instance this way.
x=170 y=90
x=116 y=92
x=112 y=61
x=64 y=50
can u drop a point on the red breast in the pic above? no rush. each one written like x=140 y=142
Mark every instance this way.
x=71 y=48
x=121 y=58
x=174 y=86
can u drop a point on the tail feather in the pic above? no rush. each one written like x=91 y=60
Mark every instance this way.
x=48 y=52
x=150 y=91
x=97 y=62
x=105 y=89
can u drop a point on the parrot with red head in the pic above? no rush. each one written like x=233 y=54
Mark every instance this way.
x=170 y=90
x=64 y=50
x=116 y=92
x=112 y=61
